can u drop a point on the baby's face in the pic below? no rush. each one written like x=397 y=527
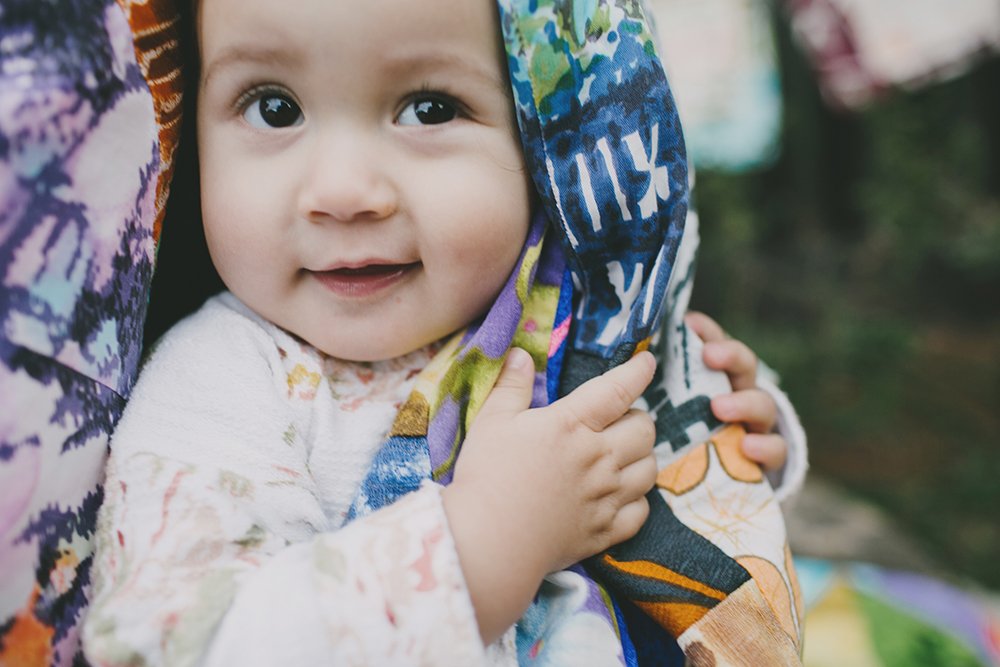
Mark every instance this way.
x=362 y=184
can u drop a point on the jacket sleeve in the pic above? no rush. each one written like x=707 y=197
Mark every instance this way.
x=788 y=480
x=213 y=548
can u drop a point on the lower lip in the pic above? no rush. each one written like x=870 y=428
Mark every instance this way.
x=361 y=284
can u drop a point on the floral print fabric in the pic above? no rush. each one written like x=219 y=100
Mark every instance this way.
x=231 y=474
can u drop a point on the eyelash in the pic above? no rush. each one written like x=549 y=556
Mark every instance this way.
x=426 y=92
x=256 y=92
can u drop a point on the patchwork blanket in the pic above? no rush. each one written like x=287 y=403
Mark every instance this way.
x=861 y=614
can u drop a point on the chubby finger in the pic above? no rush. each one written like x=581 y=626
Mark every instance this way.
x=629 y=520
x=512 y=391
x=734 y=358
x=753 y=407
x=703 y=325
x=767 y=450
x=602 y=400
x=637 y=478
x=633 y=437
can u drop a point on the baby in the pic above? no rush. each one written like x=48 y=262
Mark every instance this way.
x=364 y=198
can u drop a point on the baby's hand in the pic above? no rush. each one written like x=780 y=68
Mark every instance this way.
x=747 y=404
x=535 y=491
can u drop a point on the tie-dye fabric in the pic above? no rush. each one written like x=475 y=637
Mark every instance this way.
x=89 y=106
x=710 y=572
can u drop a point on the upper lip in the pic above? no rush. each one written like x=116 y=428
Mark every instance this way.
x=355 y=265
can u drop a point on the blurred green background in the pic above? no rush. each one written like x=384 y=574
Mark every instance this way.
x=864 y=266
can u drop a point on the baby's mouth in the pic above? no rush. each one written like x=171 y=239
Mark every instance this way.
x=365 y=280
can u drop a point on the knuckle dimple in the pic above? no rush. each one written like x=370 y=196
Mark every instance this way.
x=605 y=517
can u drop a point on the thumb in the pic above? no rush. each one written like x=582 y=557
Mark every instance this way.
x=512 y=391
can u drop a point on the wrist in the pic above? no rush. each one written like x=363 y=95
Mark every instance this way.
x=502 y=568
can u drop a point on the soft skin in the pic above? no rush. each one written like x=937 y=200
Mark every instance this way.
x=363 y=187
x=359 y=181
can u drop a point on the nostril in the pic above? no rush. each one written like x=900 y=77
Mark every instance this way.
x=347 y=200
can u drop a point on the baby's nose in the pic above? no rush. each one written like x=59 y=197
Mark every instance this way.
x=347 y=182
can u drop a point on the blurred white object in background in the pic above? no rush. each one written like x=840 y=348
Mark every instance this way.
x=722 y=67
x=863 y=47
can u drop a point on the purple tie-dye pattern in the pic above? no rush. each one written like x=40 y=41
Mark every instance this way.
x=446 y=420
x=551 y=265
x=77 y=249
x=79 y=163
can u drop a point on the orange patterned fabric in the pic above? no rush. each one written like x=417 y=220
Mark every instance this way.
x=155 y=32
x=650 y=570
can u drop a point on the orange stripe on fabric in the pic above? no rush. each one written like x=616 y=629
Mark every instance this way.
x=642 y=346
x=644 y=568
x=155 y=37
x=674 y=617
x=728 y=446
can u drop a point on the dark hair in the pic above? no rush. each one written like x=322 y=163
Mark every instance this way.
x=189 y=18
x=184 y=276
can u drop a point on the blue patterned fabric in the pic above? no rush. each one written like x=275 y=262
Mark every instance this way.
x=603 y=142
x=604 y=145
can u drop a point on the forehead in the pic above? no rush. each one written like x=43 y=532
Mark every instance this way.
x=346 y=34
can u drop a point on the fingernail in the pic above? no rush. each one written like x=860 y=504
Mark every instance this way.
x=516 y=358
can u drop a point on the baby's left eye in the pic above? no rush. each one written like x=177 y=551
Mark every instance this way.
x=427 y=111
x=273 y=111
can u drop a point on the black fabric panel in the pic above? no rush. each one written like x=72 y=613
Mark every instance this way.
x=577 y=368
x=664 y=540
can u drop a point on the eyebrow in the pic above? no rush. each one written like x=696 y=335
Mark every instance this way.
x=421 y=60
x=402 y=62
x=247 y=54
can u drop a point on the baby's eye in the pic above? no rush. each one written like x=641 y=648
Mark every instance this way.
x=273 y=111
x=427 y=111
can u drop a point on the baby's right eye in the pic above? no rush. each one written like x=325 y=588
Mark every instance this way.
x=427 y=111
x=272 y=110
